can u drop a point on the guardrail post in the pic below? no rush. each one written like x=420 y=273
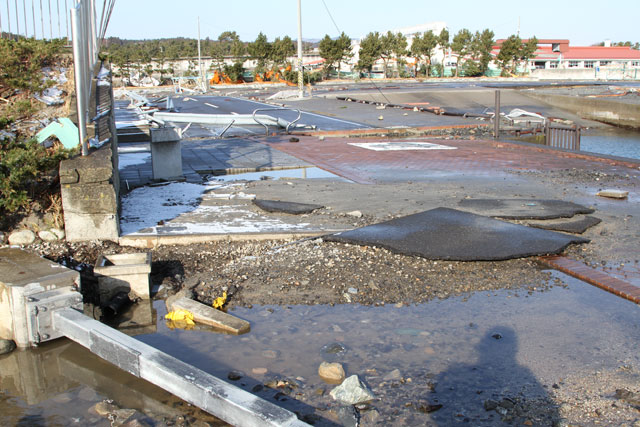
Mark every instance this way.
x=496 y=119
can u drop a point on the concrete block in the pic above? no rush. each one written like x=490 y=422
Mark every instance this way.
x=81 y=227
x=123 y=273
x=165 y=134
x=24 y=277
x=166 y=154
x=89 y=199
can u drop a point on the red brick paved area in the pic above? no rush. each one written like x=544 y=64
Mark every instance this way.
x=477 y=156
x=594 y=277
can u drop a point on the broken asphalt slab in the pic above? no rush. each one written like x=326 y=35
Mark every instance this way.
x=575 y=226
x=450 y=234
x=523 y=208
x=286 y=207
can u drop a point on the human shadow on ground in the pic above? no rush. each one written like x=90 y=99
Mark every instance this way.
x=496 y=390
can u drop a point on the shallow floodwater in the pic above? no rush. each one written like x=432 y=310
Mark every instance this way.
x=297 y=173
x=473 y=347
x=612 y=142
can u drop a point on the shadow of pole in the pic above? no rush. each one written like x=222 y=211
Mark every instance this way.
x=496 y=390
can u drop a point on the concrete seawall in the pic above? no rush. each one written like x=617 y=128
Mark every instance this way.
x=598 y=109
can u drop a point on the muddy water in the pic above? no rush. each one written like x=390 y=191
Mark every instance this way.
x=457 y=352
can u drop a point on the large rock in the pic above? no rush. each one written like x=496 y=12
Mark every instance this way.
x=47 y=236
x=22 y=237
x=352 y=391
x=6 y=346
x=333 y=373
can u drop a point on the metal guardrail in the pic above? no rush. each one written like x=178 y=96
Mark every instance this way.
x=287 y=126
x=563 y=137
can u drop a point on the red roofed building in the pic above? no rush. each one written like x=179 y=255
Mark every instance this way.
x=558 y=54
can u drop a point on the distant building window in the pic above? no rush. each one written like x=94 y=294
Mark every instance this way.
x=553 y=64
x=555 y=47
x=635 y=63
x=604 y=63
x=574 y=64
x=589 y=64
x=540 y=65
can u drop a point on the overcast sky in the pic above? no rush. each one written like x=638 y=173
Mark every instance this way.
x=584 y=22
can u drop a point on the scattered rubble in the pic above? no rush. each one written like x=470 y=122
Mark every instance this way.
x=352 y=391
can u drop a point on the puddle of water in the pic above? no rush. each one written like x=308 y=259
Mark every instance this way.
x=59 y=383
x=544 y=337
x=298 y=173
x=458 y=352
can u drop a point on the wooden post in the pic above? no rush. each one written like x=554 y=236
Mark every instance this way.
x=496 y=119
x=547 y=136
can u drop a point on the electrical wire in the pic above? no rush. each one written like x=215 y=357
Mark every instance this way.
x=332 y=20
x=340 y=32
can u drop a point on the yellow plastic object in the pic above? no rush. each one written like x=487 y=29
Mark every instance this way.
x=220 y=301
x=182 y=319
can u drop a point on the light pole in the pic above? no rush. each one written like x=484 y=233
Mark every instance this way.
x=300 y=77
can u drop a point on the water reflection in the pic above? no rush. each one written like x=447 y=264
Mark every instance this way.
x=58 y=383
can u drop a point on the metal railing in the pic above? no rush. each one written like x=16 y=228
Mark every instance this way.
x=87 y=40
x=84 y=61
x=563 y=137
x=287 y=126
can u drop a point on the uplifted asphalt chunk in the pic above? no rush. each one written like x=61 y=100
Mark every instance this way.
x=523 y=208
x=286 y=207
x=576 y=226
x=450 y=234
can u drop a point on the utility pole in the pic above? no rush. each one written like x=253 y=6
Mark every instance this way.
x=200 y=59
x=300 y=71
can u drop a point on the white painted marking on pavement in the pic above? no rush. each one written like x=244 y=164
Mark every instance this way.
x=211 y=105
x=401 y=146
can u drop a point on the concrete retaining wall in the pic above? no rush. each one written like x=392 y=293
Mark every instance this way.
x=90 y=184
x=599 y=109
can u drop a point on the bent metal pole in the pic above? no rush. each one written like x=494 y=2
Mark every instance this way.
x=226 y=401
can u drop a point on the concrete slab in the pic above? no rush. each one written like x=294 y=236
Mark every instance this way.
x=285 y=207
x=524 y=208
x=25 y=279
x=574 y=225
x=450 y=234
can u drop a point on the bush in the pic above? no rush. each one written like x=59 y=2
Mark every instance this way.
x=234 y=71
x=21 y=165
x=22 y=60
x=471 y=69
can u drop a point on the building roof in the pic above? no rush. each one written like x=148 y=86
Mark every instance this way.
x=545 y=51
x=602 y=52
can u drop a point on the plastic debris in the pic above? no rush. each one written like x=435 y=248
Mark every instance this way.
x=63 y=129
x=182 y=319
x=219 y=302
x=51 y=96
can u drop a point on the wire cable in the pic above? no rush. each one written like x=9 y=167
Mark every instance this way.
x=332 y=20
x=340 y=32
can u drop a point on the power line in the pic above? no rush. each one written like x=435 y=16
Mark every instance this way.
x=332 y=20
x=340 y=32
